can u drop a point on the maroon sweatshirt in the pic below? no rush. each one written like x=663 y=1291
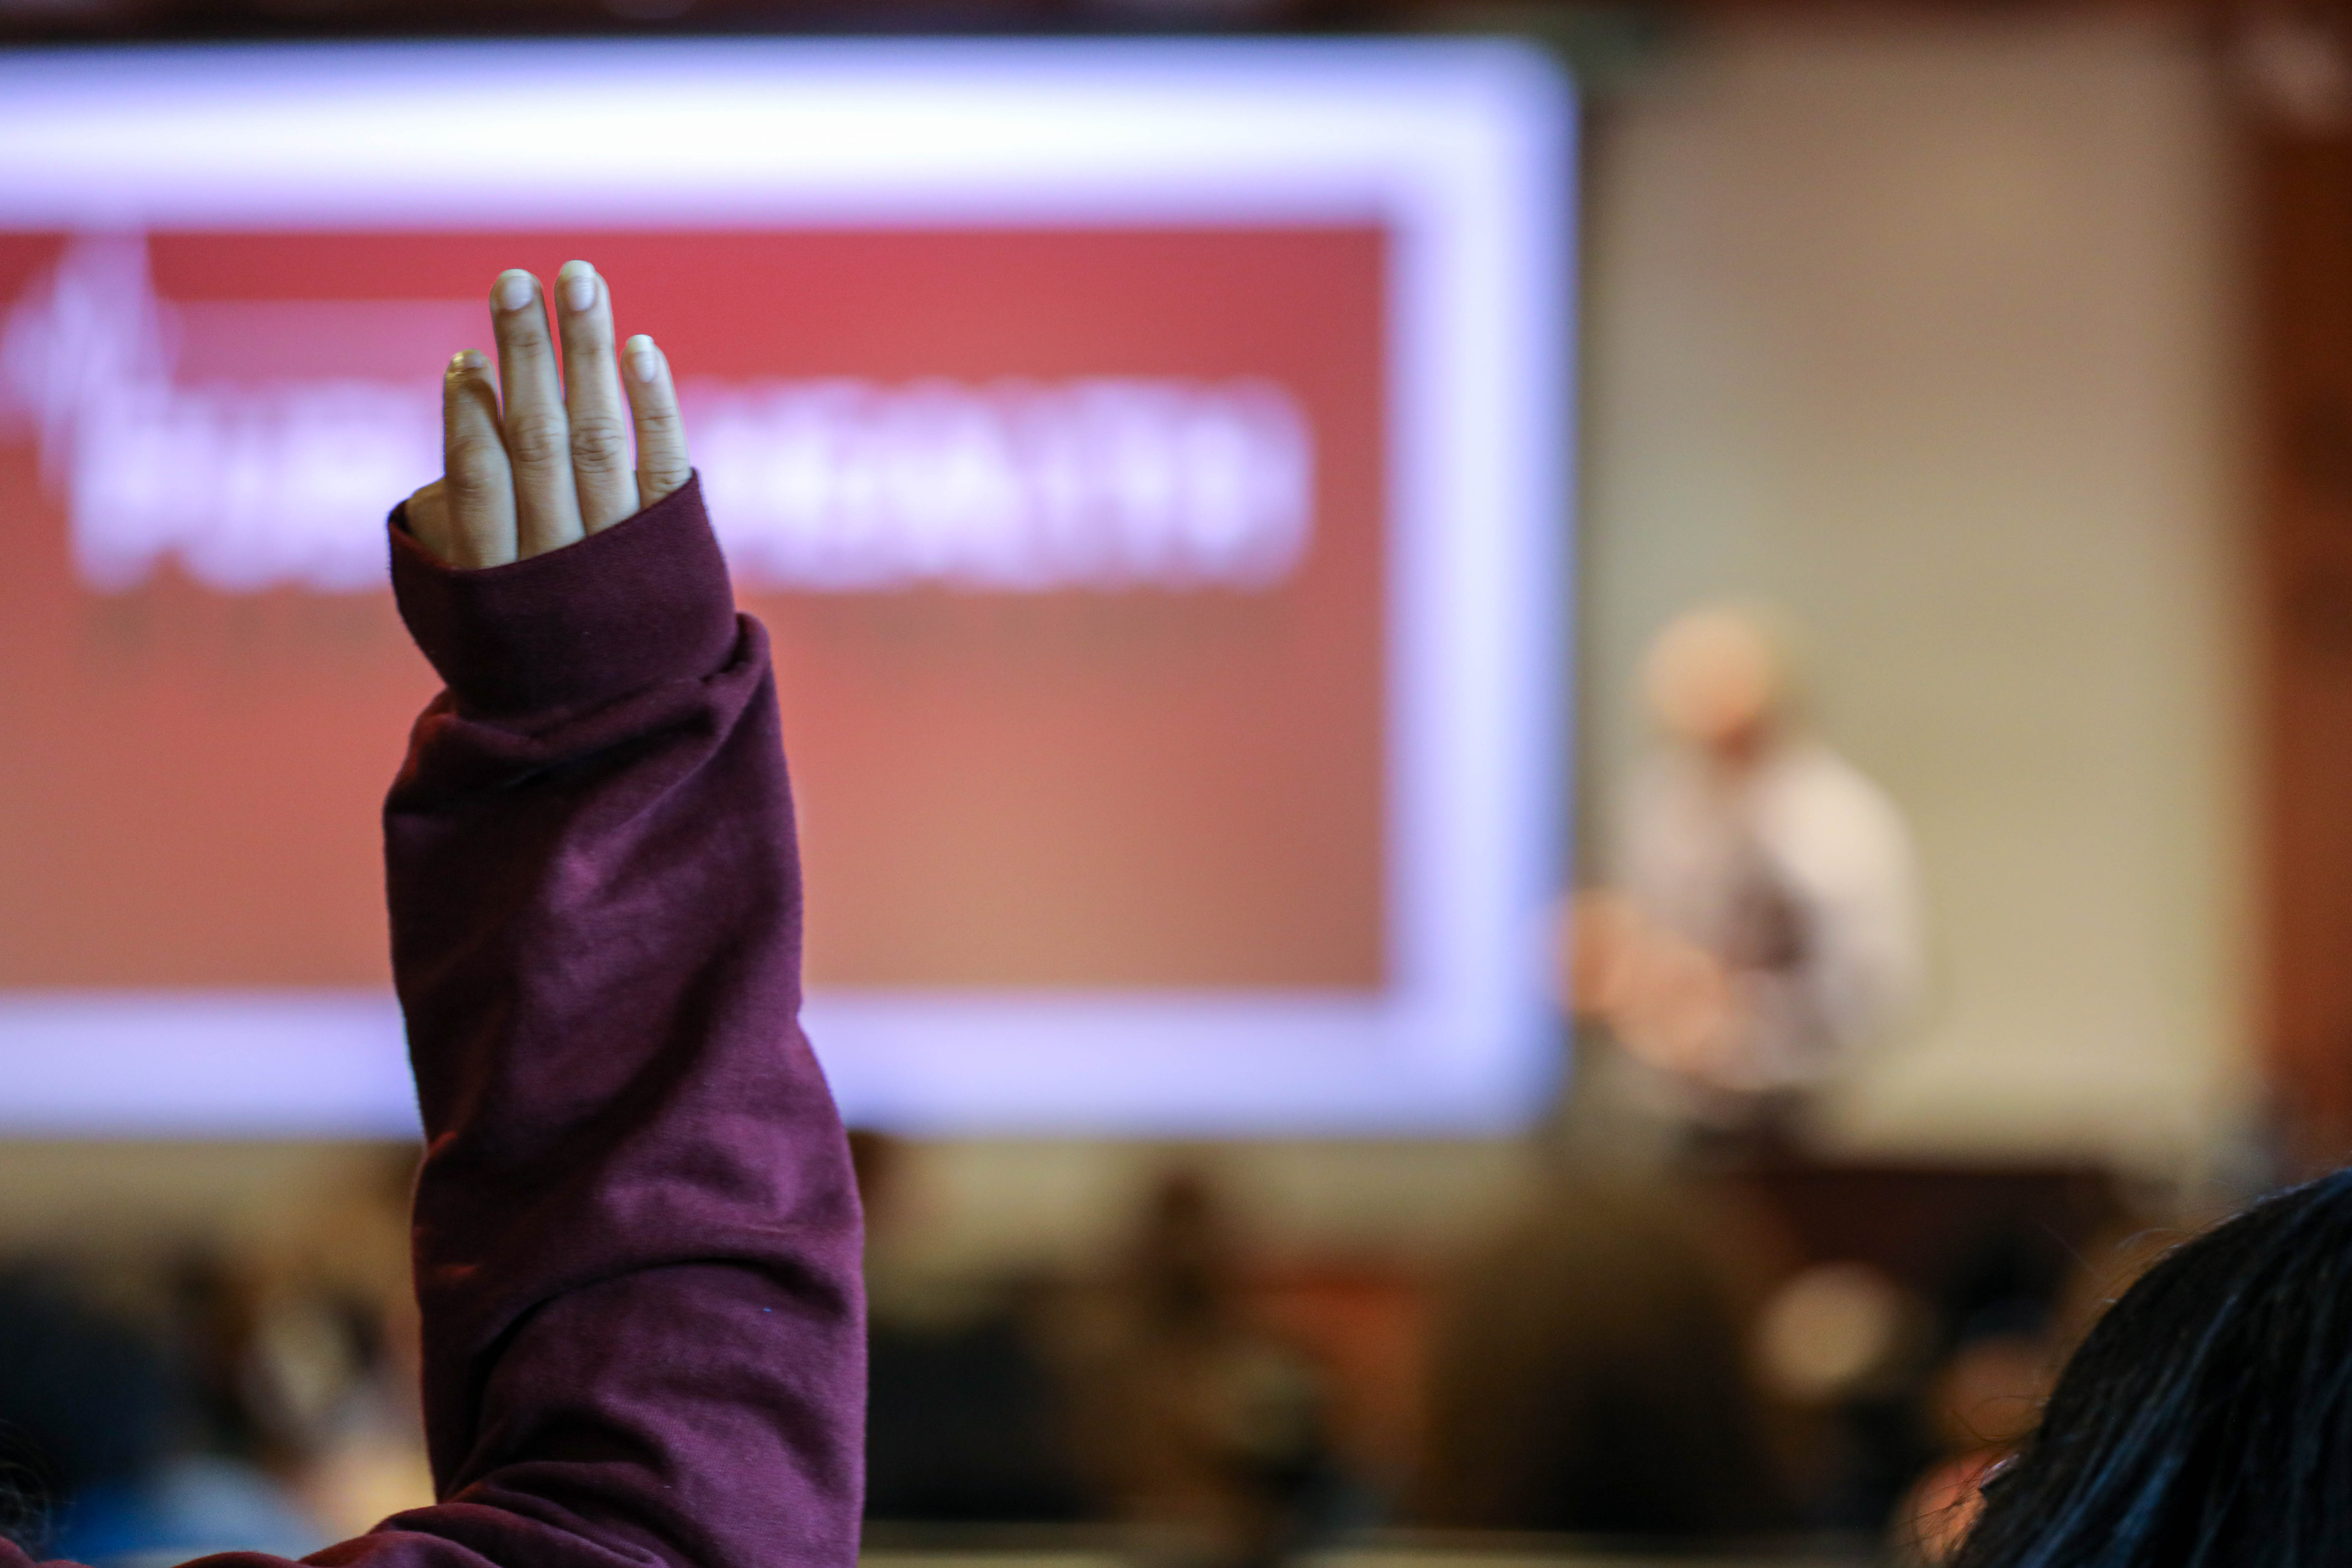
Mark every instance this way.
x=636 y=1241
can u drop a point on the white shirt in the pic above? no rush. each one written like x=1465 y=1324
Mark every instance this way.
x=1798 y=875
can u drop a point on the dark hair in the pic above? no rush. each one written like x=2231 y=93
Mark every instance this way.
x=2206 y=1422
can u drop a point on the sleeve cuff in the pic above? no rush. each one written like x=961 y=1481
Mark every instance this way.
x=643 y=602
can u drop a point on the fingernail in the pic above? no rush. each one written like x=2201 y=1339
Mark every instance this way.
x=465 y=360
x=645 y=360
x=515 y=290
x=579 y=282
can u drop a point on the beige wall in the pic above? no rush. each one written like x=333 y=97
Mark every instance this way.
x=1927 y=336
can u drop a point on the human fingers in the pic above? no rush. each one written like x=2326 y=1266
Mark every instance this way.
x=538 y=437
x=661 y=435
x=428 y=521
x=469 y=518
x=591 y=398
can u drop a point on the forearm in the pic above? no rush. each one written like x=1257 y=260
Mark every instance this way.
x=637 y=1233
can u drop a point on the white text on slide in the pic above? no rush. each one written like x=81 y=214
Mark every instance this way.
x=262 y=479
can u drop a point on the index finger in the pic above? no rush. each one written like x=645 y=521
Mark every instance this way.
x=661 y=434
x=475 y=522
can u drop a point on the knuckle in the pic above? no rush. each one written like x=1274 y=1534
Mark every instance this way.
x=600 y=443
x=585 y=333
x=472 y=473
x=658 y=480
x=524 y=329
x=537 y=439
x=659 y=421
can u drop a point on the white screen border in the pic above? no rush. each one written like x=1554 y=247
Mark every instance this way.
x=1464 y=150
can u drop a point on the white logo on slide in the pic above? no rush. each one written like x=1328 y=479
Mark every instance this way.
x=180 y=431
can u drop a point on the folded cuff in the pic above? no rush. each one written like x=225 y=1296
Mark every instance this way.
x=644 y=601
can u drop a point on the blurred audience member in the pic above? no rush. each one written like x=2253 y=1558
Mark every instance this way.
x=1203 y=1426
x=102 y=1439
x=1847 y=1349
x=965 y=1421
x=301 y=1348
x=1765 y=920
x=1592 y=1379
x=336 y=1360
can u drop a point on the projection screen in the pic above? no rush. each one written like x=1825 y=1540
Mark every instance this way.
x=1151 y=460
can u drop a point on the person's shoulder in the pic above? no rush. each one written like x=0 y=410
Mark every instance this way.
x=1809 y=770
x=1813 y=796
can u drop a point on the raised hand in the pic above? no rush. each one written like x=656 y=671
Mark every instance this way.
x=548 y=465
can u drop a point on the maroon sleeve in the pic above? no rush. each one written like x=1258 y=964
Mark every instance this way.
x=636 y=1239
x=637 y=1230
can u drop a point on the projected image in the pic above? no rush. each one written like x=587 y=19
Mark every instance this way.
x=1136 y=602
x=1086 y=691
